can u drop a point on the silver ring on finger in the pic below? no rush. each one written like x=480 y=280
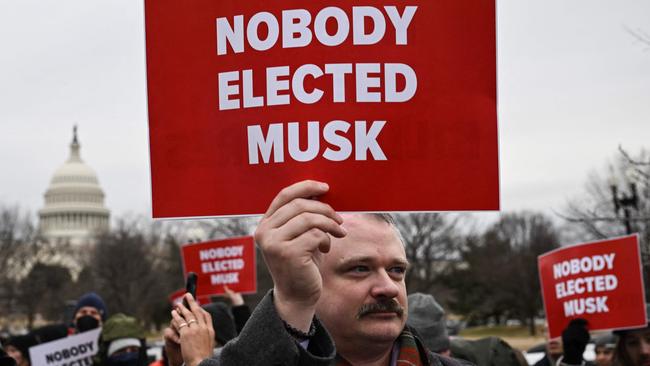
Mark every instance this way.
x=192 y=321
x=181 y=325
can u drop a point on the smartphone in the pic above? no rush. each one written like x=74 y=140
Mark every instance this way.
x=190 y=286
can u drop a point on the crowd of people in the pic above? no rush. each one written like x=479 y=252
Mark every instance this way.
x=122 y=341
x=339 y=298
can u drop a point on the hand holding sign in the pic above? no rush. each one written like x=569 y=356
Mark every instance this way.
x=574 y=341
x=291 y=234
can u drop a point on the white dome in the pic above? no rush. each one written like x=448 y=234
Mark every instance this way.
x=74 y=201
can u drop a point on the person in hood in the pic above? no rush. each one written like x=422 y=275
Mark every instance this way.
x=428 y=319
x=123 y=342
x=89 y=313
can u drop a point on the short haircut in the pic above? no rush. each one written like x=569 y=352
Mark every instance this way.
x=390 y=220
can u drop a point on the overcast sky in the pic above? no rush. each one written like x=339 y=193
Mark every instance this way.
x=573 y=85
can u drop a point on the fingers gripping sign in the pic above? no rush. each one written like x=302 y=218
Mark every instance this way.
x=292 y=234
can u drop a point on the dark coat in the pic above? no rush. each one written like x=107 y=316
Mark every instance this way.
x=265 y=342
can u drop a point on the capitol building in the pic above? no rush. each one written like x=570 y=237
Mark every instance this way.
x=74 y=210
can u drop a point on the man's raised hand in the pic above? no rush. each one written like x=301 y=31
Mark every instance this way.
x=292 y=234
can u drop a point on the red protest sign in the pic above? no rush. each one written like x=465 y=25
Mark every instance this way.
x=598 y=281
x=229 y=262
x=393 y=105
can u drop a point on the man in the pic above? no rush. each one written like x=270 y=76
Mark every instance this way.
x=89 y=313
x=336 y=281
x=605 y=346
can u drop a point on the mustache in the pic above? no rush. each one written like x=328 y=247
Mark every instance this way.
x=381 y=306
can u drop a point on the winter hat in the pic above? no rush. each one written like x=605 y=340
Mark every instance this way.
x=93 y=300
x=222 y=322
x=428 y=319
x=122 y=343
x=121 y=326
x=607 y=340
x=49 y=333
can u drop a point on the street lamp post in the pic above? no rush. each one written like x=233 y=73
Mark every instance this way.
x=625 y=202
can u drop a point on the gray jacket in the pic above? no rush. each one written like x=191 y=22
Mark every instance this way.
x=265 y=342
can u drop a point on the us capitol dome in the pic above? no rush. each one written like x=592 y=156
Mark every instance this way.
x=74 y=208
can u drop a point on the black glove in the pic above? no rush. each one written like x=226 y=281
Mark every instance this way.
x=574 y=341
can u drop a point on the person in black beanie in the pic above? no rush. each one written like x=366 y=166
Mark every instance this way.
x=89 y=313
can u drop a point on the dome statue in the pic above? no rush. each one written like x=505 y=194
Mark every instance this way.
x=74 y=208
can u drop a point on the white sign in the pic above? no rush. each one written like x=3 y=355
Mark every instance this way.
x=75 y=350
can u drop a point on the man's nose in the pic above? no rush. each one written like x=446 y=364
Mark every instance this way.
x=384 y=285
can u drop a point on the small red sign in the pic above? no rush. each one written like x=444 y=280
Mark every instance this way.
x=393 y=104
x=229 y=262
x=600 y=282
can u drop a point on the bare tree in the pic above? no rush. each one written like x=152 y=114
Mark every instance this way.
x=43 y=291
x=498 y=275
x=430 y=244
x=604 y=211
x=640 y=35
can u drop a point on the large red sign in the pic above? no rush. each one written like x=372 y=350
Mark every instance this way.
x=391 y=103
x=229 y=262
x=599 y=281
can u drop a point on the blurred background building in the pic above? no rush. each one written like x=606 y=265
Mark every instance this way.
x=74 y=210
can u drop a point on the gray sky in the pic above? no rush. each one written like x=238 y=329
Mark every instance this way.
x=573 y=85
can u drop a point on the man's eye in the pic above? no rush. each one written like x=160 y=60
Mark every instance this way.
x=399 y=270
x=359 y=269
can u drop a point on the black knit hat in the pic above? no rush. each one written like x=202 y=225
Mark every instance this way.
x=222 y=322
x=93 y=300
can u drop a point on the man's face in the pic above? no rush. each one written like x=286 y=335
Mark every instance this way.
x=364 y=294
x=637 y=346
x=604 y=356
x=88 y=310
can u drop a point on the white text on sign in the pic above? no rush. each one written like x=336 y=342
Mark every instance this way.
x=585 y=285
x=225 y=262
x=374 y=82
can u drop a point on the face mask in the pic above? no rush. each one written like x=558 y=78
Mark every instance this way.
x=124 y=359
x=86 y=322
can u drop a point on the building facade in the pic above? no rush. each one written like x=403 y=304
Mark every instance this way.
x=74 y=208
